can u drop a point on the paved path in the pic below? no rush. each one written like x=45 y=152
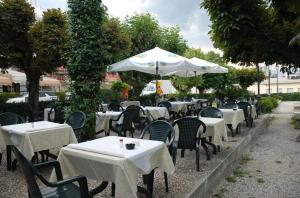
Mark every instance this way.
x=271 y=168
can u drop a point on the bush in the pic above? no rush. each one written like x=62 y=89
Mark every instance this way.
x=290 y=96
x=233 y=93
x=278 y=97
x=4 y=96
x=61 y=95
x=268 y=104
x=23 y=109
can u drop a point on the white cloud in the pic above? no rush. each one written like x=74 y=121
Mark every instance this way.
x=192 y=20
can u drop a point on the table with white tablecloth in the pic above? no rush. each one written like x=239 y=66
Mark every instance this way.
x=233 y=117
x=125 y=104
x=215 y=128
x=104 y=159
x=180 y=106
x=36 y=136
x=102 y=120
x=153 y=113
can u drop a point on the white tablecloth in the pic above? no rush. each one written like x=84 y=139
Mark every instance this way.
x=153 y=113
x=180 y=106
x=98 y=160
x=102 y=119
x=216 y=128
x=46 y=112
x=36 y=137
x=233 y=117
x=254 y=114
x=125 y=104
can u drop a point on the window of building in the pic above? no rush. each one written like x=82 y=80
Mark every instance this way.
x=279 y=90
x=289 y=90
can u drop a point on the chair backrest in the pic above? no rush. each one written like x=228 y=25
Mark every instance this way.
x=166 y=104
x=247 y=108
x=129 y=115
x=159 y=130
x=30 y=172
x=172 y=99
x=211 y=112
x=188 y=128
x=230 y=105
x=137 y=116
x=59 y=115
x=76 y=120
x=114 y=107
x=9 y=118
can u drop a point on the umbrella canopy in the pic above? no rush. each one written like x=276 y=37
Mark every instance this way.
x=155 y=61
x=198 y=67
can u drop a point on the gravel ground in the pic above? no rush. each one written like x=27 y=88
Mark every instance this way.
x=271 y=167
x=12 y=184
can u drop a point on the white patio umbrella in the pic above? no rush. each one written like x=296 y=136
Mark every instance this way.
x=198 y=67
x=155 y=61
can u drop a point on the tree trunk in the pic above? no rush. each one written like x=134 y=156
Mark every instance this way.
x=33 y=80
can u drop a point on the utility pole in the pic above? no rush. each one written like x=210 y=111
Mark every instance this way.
x=269 y=79
x=257 y=79
x=277 y=79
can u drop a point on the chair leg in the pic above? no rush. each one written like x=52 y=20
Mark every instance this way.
x=8 y=157
x=182 y=152
x=113 y=190
x=197 y=159
x=205 y=148
x=213 y=146
x=0 y=158
x=166 y=181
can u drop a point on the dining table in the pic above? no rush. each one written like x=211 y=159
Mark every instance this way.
x=216 y=129
x=233 y=118
x=36 y=136
x=180 y=106
x=102 y=120
x=154 y=113
x=108 y=159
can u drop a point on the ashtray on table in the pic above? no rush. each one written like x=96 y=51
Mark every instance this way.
x=130 y=146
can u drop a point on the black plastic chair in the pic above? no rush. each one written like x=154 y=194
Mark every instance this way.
x=127 y=124
x=172 y=99
x=247 y=108
x=140 y=120
x=188 y=128
x=211 y=112
x=8 y=118
x=168 y=105
x=114 y=107
x=230 y=105
x=59 y=115
x=161 y=130
x=61 y=188
x=77 y=121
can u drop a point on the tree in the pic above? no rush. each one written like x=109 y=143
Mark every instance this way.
x=144 y=33
x=35 y=47
x=172 y=41
x=182 y=84
x=247 y=77
x=86 y=64
x=253 y=31
x=116 y=41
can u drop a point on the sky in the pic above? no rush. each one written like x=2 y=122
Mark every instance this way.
x=193 y=21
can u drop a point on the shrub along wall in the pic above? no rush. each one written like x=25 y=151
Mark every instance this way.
x=268 y=104
x=4 y=96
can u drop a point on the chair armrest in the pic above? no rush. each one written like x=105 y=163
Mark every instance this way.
x=54 y=164
x=82 y=181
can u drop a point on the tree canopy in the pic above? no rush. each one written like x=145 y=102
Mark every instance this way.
x=253 y=31
x=145 y=33
x=247 y=77
x=34 y=47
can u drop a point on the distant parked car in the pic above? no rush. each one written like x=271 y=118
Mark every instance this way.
x=43 y=96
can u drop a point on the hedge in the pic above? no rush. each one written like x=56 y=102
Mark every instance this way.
x=268 y=104
x=4 y=96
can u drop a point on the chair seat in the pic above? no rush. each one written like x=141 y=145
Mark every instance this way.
x=66 y=191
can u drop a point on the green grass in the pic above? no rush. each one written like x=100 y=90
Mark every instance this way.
x=245 y=159
x=231 y=179
x=260 y=180
x=220 y=194
x=294 y=123
x=239 y=173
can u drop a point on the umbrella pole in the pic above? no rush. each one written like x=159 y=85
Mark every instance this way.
x=156 y=82
x=195 y=80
